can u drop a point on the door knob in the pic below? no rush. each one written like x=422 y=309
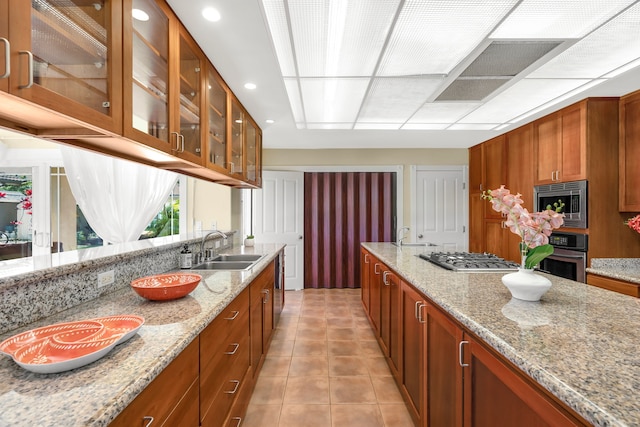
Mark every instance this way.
x=420 y=236
x=300 y=237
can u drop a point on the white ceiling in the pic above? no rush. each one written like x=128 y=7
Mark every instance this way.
x=393 y=58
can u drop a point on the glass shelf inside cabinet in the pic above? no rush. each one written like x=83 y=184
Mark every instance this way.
x=151 y=71
x=217 y=122
x=69 y=42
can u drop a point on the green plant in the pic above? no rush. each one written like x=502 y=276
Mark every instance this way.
x=249 y=236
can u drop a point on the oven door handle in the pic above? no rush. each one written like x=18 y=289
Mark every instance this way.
x=566 y=256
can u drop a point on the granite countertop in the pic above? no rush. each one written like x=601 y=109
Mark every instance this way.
x=579 y=342
x=627 y=269
x=95 y=394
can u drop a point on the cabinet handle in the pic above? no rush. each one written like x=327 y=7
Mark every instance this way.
x=366 y=258
x=420 y=319
x=177 y=143
x=148 y=419
x=30 y=69
x=266 y=292
x=415 y=309
x=7 y=58
x=375 y=268
x=481 y=187
x=236 y=347
x=384 y=278
x=235 y=388
x=181 y=139
x=235 y=314
x=239 y=420
x=461 y=355
x=232 y=169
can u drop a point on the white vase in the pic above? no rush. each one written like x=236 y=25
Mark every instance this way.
x=249 y=242
x=526 y=285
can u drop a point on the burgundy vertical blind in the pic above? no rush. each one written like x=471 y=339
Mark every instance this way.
x=343 y=209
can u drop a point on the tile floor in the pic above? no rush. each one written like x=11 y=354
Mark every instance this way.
x=324 y=368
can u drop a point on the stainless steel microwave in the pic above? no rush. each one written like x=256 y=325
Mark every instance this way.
x=572 y=194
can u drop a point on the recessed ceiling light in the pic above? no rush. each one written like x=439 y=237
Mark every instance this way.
x=211 y=14
x=250 y=86
x=140 y=15
x=269 y=121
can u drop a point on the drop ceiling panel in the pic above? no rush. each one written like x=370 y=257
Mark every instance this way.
x=279 y=28
x=557 y=19
x=394 y=100
x=432 y=37
x=295 y=100
x=332 y=100
x=442 y=112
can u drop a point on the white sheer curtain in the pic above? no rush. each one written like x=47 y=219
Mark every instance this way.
x=119 y=198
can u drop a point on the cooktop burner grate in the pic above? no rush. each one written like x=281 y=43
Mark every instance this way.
x=470 y=262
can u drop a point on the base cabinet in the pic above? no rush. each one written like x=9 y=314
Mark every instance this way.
x=413 y=384
x=616 y=285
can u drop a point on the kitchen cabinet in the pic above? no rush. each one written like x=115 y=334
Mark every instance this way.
x=476 y=203
x=262 y=323
x=365 y=286
x=224 y=360
x=217 y=116
x=629 y=153
x=171 y=398
x=616 y=285
x=390 y=319
x=413 y=373
x=163 y=69
x=375 y=286
x=253 y=148
x=560 y=146
x=66 y=59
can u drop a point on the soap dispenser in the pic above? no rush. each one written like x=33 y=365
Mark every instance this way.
x=185 y=257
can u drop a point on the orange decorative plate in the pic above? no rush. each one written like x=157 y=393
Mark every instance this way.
x=166 y=286
x=10 y=345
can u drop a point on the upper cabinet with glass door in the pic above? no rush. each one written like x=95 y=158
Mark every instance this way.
x=163 y=81
x=65 y=55
x=236 y=149
x=253 y=145
x=217 y=122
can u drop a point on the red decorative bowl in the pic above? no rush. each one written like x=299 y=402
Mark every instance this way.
x=163 y=287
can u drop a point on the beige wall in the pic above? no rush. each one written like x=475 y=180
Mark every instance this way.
x=209 y=203
x=283 y=159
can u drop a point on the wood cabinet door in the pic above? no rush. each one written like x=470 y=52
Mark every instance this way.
x=547 y=147
x=476 y=162
x=67 y=58
x=519 y=179
x=476 y=203
x=375 y=280
x=413 y=384
x=217 y=94
x=629 y=153
x=444 y=373
x=495 y=169
x=5 y=46
x=235 y=153
x=385 y=310
x=496 y=237
x=395 y=324
x=495 y=395
x=365 y=268
x=574 y=144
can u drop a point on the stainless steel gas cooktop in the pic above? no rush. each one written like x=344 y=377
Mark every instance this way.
x=470 y=262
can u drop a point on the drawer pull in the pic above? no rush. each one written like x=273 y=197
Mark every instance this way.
x=238 y=421
x=460 y=354
x=235 y=388
x=420 y=319
x=266 y=298
x=384 y=277
x=235 y=314
x=149 y=420
x=234 y=350
x=7 y=58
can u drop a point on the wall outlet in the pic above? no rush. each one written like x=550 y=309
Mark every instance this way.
x=105 y=278
x=217 y=244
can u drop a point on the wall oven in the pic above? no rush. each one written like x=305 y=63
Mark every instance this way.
x=569 y=259
x=572 y=194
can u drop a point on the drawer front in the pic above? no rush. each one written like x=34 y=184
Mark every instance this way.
x=164 y=394
x=219 y=380
x=233 y=388
x=228 y=321
x=187 y=413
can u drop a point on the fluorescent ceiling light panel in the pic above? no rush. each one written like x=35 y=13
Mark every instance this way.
x=377 y=126
x=295 y=99
x=432 y=37
x=557 y=19
x=332 y=100
x=613 y=44
x=329 y=126
x=520 y=98
x=338 y=37
x=442 y=112
x=394 y=100
x=473 y=126
x=425 y=126
x=279 y=28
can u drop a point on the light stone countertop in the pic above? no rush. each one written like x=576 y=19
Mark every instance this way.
x=580 y=342
x=627 y=269
x=95 y=394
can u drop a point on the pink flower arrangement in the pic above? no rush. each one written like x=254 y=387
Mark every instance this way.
x=634 y=223
x=534 y=228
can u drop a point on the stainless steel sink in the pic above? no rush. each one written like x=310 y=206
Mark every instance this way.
x=237 y=257
x=224 y=265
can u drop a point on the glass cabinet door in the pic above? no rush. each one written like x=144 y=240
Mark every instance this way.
x=251 y=152
x=237 y=139
x=66 y=55
x=217 y=116
x=5 y=46
x=191 y=63
x=150 y=70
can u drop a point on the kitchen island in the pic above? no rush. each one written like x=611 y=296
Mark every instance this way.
x=95 y=394
x=579 y=342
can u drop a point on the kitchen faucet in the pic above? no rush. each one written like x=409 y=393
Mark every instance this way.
x=400 y=235
x=207 y=257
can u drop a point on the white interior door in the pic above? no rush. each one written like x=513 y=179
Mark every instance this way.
x=440 y=207
x=279 y=210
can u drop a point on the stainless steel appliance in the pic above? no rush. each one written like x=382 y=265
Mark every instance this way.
x=572 y=194
x=569 y=259
x=469 y=262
